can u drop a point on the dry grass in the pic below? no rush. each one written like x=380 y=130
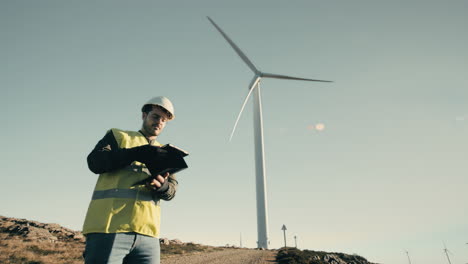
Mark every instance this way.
x=188 y=248
x=15 y=251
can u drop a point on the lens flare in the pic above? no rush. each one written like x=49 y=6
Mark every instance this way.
x=320 y=126
x=316 y=127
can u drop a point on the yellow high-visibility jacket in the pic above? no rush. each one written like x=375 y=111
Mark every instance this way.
x=117 y=206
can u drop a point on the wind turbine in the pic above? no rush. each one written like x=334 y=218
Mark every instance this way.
x=446 y=253
x=407 y=254
x=262 y=216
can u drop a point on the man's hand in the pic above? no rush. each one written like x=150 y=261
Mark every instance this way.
x=156 y=183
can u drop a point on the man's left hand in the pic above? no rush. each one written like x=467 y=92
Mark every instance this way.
x=157 y=182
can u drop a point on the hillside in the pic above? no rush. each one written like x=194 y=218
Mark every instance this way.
x=31 y=242
x=296 y=256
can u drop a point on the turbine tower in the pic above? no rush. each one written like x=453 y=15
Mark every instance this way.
x=262 y=215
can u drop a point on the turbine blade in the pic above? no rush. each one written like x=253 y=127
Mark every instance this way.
x=278 y=76
x=252 y=86
x=234 y=46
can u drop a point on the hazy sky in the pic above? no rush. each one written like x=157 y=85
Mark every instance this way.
x=386 y=172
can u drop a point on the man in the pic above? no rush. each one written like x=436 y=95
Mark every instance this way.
x=123 y=220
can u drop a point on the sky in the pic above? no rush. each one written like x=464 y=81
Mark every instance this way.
x=372 y=164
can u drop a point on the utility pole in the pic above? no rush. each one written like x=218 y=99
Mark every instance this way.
x=295 y=240
x=284 y=234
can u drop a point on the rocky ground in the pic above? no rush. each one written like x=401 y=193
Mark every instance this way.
x=28 y=230
x=31 y=242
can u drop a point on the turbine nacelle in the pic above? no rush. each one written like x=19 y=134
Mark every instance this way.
x=255 y=81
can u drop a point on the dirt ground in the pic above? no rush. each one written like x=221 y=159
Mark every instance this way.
x=227 y=256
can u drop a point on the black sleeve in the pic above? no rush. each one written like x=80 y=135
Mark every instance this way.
x=169 y=188
x=106 y=156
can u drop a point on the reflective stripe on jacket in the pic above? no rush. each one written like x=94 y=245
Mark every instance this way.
x=116 y=205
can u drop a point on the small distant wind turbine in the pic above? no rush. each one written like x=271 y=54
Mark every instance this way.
x=446 y=253
x=240 y=240
x=407 y=254
x=262 y=216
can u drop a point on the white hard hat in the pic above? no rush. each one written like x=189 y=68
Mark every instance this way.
x=164 y=103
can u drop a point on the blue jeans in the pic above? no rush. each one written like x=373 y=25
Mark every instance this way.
x=128 y=248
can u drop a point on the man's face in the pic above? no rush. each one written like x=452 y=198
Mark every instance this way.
x=154 y=122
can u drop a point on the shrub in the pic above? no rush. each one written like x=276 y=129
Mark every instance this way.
x=291 y=256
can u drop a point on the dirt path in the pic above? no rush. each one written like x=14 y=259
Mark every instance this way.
x=227 y=256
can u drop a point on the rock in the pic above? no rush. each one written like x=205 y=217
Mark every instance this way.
x=164 y=241
x=176 y=242
x=79 y=236
x=35 y=231
x=333 y=259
